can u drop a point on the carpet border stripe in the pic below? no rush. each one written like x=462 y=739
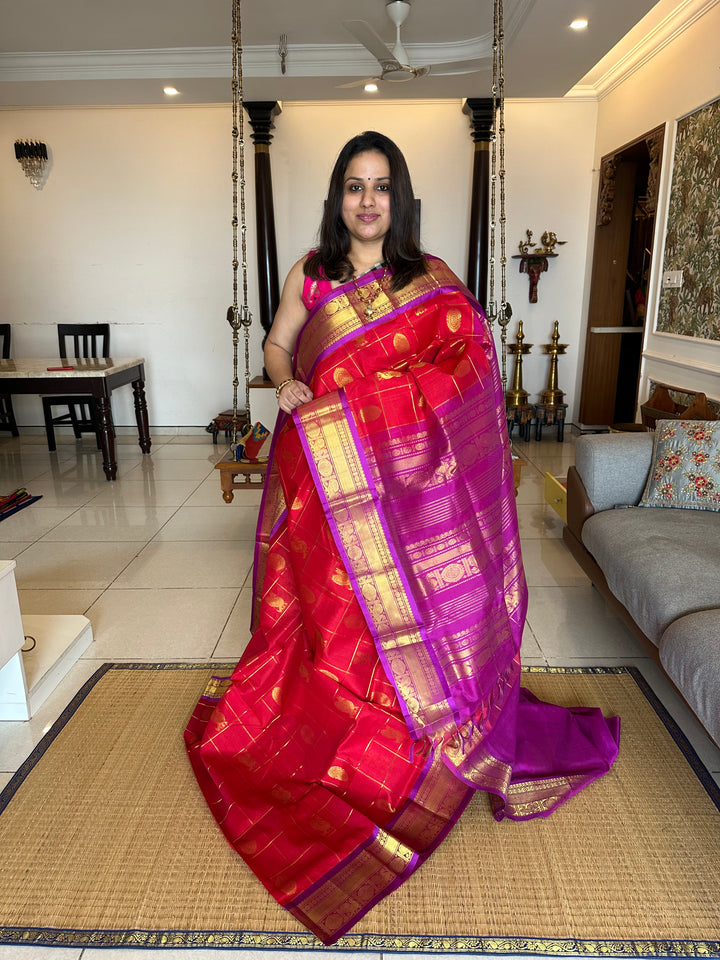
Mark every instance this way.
x=365 y=942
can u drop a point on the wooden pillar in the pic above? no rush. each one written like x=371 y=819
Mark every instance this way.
x=261 y=114
x=479 y=110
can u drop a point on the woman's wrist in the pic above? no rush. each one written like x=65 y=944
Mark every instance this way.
x=282 y=384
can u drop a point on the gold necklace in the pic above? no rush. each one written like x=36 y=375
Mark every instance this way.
x=369 y=299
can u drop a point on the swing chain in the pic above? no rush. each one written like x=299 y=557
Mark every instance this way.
x=239 y=316
x=504 y=314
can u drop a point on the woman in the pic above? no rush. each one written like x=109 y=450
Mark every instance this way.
x=381 y=685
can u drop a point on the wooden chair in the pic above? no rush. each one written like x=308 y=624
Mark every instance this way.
x=88 y=340
x=7 y=414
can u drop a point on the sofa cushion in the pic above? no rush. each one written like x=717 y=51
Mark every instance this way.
x=613 y=466
x=660 y=564
x=685 y=469
x=690 y=654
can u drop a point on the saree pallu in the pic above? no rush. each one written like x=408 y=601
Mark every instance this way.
x=381 y=686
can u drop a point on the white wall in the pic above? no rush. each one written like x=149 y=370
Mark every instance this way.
x=549 y=147
x=679 y=79
x=433 y=135
x=550 y=186
x=133 y=227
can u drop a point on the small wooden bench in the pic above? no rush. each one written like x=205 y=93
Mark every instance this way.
x=252 y=475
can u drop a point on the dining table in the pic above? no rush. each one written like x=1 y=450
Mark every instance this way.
x=95 y=376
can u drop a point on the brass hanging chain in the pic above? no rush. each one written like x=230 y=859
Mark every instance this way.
x=239 y=316
x=504 y=313
x=492 y=303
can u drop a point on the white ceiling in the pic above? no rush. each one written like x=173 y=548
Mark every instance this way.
x=91 y=52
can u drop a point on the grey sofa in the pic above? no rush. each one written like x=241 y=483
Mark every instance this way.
x=658 y=568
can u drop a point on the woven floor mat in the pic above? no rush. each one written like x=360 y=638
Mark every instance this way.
x=107 y=841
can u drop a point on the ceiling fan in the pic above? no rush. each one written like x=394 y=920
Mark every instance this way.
x=395 y=64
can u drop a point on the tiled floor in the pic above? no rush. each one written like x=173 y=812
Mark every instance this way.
x=161 y=566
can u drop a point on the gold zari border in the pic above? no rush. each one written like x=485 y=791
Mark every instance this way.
x=344 y=315
x=366 y=877
x=340 y=472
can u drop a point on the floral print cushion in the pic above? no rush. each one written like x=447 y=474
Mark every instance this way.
x=685 y=468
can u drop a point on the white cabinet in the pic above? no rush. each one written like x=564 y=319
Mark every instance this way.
x=26 y=679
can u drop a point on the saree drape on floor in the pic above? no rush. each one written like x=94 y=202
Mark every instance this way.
x=382 y=682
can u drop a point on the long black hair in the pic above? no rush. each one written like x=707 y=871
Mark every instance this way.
x=401 y=245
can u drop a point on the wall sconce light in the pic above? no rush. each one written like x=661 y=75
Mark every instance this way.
x=534 y=262
x=32 y=156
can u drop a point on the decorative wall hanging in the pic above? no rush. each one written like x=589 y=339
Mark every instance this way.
x=655 y=148
x=534 y=262
x=693 y=227
x=606 y=201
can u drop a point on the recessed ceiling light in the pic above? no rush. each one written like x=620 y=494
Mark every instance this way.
x=370 y=88
x=170 y=91
x=579 y=24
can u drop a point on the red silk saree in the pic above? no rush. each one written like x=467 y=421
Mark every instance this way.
x=381 y=686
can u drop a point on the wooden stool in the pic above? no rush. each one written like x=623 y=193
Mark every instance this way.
x=253 y=475
x=521 y=415
x=549 y=414
x=224 y=421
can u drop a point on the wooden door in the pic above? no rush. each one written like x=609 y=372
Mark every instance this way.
x=607 y=300
x=628 y=194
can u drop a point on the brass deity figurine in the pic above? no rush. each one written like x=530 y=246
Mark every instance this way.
x=533 y=262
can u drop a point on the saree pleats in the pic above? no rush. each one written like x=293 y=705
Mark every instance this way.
x=381 y=684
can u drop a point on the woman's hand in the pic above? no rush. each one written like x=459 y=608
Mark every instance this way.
x=293 y=394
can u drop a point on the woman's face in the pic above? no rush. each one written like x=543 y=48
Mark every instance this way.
x=366 y=197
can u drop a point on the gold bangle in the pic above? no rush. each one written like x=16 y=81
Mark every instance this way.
x=279 y=387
